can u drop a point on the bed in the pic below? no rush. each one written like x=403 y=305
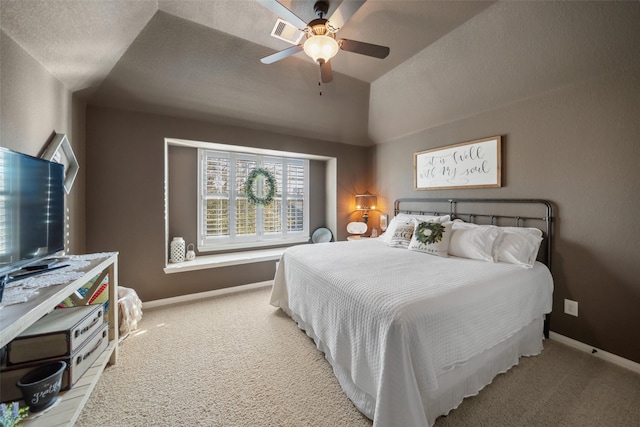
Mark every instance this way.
x=410 y=334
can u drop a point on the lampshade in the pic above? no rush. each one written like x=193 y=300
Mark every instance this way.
x=366 y=201
x=321 y=48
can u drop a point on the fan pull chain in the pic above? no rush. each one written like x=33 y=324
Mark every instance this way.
x=320 y=80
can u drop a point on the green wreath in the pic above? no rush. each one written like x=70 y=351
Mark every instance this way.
x=270 y=190
x=435 y=229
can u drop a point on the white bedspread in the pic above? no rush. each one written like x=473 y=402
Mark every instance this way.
x=390 y=320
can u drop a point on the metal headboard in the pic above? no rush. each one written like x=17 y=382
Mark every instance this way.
x=451 y=208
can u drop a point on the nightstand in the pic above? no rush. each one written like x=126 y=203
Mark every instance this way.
x=349 y=238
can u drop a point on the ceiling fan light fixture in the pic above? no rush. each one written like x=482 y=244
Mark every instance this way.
x=321 y=48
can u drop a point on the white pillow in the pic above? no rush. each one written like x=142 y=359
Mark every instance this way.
x=404 y=219
x=431 y=237
x=391 y=228
x=432 y=218
x=518 y=245
x=473 y=241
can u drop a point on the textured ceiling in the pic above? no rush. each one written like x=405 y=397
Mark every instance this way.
x=406 y=27
x=514 y=51
x=201 y=58
x=81 y=37
x=180 y=68
x=77 y=41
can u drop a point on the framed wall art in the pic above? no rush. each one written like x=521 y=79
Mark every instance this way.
x=59 y=150
x=473 y=164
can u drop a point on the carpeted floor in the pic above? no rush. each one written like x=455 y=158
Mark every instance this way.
x=237 y=361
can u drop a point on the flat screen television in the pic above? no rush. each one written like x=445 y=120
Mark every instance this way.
x=31 y=210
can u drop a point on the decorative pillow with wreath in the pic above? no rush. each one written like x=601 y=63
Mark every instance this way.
x=431 y=238
x=407 y=219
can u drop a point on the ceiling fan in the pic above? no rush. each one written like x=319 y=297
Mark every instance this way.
x=320 y=43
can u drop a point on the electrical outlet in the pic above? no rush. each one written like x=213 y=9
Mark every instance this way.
x=571 y=307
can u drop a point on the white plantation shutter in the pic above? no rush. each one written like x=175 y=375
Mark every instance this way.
x=272 y=213
x=228 y=219
x=216 y=195
x=295 y=195
x=245 y=212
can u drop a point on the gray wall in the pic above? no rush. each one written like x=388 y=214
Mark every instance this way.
x=125 y=194
x=560 y=81
x=579 y=147
x=34 y=106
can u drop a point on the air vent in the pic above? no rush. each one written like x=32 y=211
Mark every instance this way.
x=287 y=32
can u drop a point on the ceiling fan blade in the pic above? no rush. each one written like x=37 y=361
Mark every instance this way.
x=363 y=48
x=325 y=72
x=344 y=12
x=284 y=13
x=281 y=54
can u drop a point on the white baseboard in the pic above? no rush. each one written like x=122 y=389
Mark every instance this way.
x=605 y=355
x=208 y=294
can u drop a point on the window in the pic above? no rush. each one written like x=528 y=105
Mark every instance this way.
x=226 y=217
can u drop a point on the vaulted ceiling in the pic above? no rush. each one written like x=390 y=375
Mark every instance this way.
x=201 y=59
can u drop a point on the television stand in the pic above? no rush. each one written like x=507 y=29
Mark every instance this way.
x=17 y=317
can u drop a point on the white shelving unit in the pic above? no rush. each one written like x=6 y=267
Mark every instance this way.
x=16 y=318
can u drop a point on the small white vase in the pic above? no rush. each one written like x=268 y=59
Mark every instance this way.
x=177 y=249
x=191 y=253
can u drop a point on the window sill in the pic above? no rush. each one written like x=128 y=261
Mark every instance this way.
x=225 y=260
x=224 y=248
